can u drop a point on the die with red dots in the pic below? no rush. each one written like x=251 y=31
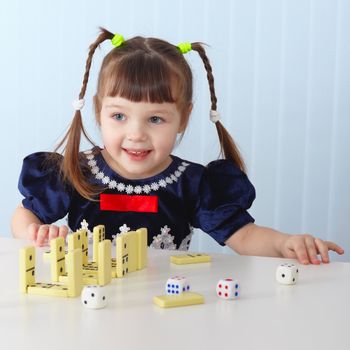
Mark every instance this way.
x=228 y=289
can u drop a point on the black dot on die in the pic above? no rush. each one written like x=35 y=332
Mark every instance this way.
x=85 y=302
x=293 y=279
x=30 y=257
x=297 y=270
x=283 y=275
x=103 y=298
x=92 y=294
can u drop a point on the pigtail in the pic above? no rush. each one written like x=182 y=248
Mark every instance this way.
x=227 y=145
x=71 y=166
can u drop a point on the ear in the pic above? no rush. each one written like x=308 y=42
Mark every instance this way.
x=97 y=105
x=185 y=118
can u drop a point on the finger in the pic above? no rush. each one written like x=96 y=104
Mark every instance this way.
x=334 y=247
x=33 y=231
x=301 y=253
x=42 y=235
x=53 y=232
x=323 y=249
x=311 y=249
x=63 y=231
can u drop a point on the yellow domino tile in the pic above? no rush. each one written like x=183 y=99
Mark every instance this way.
x=189 y=258
x=142 y=248
x=86 y=279
x=57 y=247
x=98 y=235
x=104 y=262
x=90 y=268
x=74 y=240
x=84 y=245
x=26 y=268
x=183 y=299
x=126 y=253
x=75 y=272
x=49 y=289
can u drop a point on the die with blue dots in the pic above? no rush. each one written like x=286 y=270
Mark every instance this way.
x=176 y=285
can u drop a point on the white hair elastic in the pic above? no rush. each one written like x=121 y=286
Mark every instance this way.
x=214 y=116
x=78 y=104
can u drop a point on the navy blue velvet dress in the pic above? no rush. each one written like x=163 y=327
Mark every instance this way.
x=214 y=199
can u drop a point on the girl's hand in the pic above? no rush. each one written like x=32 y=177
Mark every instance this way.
x=305 y=248
x=42 y=234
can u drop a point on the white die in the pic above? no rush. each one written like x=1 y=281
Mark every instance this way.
x=287 y=273
x=94 y=297
x=176 y=285
x=227 y=288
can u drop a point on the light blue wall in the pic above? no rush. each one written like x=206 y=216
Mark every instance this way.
x=282 y=78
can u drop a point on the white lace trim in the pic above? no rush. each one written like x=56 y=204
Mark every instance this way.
x=129 y=189
x=164 y=240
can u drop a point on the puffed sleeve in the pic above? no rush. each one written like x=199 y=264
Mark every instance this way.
x=225 y=195
x=44 y=193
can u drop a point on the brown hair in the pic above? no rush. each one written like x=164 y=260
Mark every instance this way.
x=141 y=69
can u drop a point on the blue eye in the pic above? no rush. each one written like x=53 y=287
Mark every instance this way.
x=156 y=120
x=119 y=116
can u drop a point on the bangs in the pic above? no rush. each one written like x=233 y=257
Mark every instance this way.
x=141 y=77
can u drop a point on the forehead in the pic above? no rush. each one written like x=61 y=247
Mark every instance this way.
x=117 y=102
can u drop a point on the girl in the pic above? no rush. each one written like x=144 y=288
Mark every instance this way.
x=142 y=104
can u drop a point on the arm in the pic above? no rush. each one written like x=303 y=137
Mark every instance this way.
x=263 y=241
x=26 y=225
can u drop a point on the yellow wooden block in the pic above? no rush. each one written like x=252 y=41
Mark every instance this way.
x=49 y=289
x=183 y=299
x=104 y=262
x=98 y=235
x=58 y=268
x=126 y=253
x=183 y=259
x=75 y=272
x=142 y=248
x=26 y=268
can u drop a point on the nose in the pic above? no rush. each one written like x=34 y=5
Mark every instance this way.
x=136 y=132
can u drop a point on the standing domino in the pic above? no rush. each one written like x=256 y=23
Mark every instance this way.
x=227 y=288
x=287 y=273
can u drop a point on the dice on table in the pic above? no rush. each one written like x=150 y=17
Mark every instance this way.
x=94 y=297
x=176 y=285
x=287 y=273
x=227 y=288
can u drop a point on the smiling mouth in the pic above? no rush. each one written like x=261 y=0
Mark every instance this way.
x=137 y=154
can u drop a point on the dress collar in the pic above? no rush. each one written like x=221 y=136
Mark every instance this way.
x=109 y=178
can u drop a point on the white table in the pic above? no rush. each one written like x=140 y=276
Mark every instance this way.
x=314 y=314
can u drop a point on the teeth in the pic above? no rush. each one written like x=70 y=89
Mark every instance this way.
x=137 y=152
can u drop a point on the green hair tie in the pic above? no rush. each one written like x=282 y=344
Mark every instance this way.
x=185 y=47
x=117 y=40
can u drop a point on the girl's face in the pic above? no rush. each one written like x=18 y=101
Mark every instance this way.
x=138 y=136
